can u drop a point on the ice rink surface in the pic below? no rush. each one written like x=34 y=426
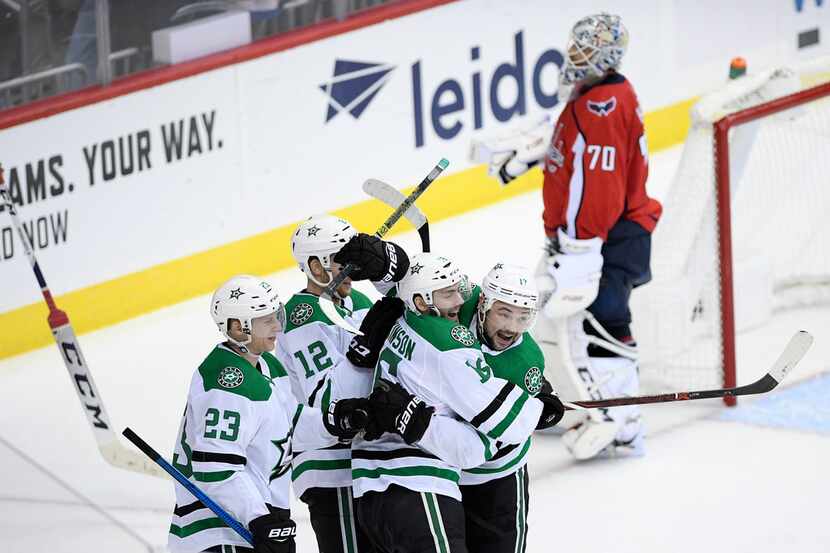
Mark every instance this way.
x=750 y=479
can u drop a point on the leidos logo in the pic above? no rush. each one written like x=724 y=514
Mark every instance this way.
x=449 y=108
x=454 y=103
x=353 y=86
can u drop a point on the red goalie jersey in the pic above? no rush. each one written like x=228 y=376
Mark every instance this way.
x=597 y=164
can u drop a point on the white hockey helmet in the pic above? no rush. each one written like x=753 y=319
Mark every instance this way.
x=245 y=297
x=511 y=284
x=596 y=45
x=427 y=273
x=320 y=236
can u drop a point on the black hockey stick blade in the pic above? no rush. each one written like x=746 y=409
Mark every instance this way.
x=789 y=358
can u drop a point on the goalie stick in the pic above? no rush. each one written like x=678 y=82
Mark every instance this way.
x=190 y=486
x=108 y=444
x=393 y=197
x=326 y=303
x=789 y=358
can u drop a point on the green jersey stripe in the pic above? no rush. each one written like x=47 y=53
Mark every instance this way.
x=324 y=403
x=320 y=464
x=488 y=453
x=198 y=526
x=217 y=476
x=510 y=417
x=346 y=533
x=516 y=460
x=435 y=522
x=445 y=474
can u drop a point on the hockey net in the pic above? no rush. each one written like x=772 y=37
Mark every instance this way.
x=745 y=233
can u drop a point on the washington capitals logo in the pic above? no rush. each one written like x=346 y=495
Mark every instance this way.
x=353 y=86
x=603 y=109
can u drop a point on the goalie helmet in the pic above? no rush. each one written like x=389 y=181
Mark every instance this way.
x=320 y=236
x=511 y=284
x=427 y=273
x=245 y=297
x=597 y=44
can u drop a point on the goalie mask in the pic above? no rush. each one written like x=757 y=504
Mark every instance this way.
x=428 y=275
x=245 y=298
x=508 y=305
x=597 y=44
x=320 y=236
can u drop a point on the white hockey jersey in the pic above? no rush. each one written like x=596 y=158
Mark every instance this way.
x=235 y=442
x=441 y=362
x=312 y=348
x=523 y=364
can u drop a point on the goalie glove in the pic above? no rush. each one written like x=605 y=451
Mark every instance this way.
x=513 y=154
x=568 y=274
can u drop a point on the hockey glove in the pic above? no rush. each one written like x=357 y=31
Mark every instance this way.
x=395 y=410
x=346 y=417
x=376 y=260
x=364 y=350
x=552 y=410
x=274 y=533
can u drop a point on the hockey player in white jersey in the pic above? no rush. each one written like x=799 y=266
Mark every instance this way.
x=314 y=350
x=408 y=498
x=235 y=436
x=496 y=494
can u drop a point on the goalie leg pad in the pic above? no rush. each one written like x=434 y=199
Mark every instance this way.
x=596 y=432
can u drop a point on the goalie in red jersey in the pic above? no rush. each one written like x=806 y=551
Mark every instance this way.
x=598 y=221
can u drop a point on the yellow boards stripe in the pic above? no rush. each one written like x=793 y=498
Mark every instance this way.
x=107 y=303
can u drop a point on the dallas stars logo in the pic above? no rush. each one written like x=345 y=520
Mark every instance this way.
x=415 y=269
x=533 y=380
x=230 y=377
x=312 y=231
x=463 y=335
x=280 y=468
x=236 y=294
x=301 y=313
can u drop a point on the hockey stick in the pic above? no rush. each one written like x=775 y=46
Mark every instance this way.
x=326 y=303
x=190 y=486
x=108 y=444
x=393 y=197
x=789 y=358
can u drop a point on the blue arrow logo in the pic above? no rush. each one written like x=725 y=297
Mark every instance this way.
x=353 y=86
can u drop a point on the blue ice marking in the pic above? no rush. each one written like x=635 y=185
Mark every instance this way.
x=805 y=406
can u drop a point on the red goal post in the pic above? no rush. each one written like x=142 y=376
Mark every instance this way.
x=743 y=239
x=722 y=177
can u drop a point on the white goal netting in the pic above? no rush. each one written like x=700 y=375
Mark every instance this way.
x=779 y=169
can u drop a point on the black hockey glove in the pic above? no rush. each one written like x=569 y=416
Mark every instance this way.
x=274 y=533
x=376 y=260
x=364 y=350
x=547 y=387
x=346 y=417
x=395 y=410
x=552 y=410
